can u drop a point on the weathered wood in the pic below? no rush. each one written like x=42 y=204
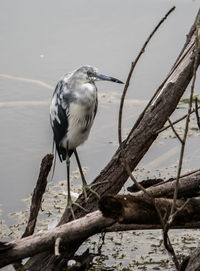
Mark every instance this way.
x=42 y=241
x=120 y=208
x=94 y=223
x=38 y=193
x=189 y=185
x=134 y=226
x=192 y=263
x=131 y=209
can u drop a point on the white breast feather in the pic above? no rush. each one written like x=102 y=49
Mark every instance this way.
x=76 y=125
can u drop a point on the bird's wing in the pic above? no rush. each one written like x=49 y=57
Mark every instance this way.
x=59 y=117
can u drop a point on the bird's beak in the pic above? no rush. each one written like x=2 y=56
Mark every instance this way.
x=107 y=78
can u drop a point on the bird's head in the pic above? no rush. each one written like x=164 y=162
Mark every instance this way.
x=90 y=74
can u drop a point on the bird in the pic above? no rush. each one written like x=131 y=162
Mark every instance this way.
x=72 y=111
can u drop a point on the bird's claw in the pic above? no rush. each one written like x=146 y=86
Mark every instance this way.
x=89 y=187
x=70 y=208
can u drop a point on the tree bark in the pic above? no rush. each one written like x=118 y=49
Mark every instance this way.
x=124 y=209
x=69 y=233
x=192 y=263
x=131 y=209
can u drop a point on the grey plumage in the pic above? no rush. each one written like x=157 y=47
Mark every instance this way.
x=73 y=108
x=72 y=112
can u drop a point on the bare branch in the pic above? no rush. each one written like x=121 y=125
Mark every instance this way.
x=38 y=193
x=175 y=122
x=132 y=69
x=174 y=130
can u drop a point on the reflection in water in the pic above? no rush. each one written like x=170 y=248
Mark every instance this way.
x=27 y=80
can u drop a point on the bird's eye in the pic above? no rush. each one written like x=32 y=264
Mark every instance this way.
x=90 y=74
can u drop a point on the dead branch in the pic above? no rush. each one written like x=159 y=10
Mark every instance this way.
x=69 y=234
x=130 y=209
x=176 y=121
x=134 y=63
x=124 y=209
x=38 y=193
x=137 y=210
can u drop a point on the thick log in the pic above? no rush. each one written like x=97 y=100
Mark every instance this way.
x=69 y=233
x=189 y=185
x=133 y=226
x=130 y=209
x=124 y=209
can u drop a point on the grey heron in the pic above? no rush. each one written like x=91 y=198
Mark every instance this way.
x=72 y=112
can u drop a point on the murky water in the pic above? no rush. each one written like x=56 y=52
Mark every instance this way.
x=41 y=41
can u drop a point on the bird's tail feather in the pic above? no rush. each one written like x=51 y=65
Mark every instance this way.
x=63 y=152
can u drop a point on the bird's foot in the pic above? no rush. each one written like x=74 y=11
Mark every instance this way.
x=89 y=187
x=69 y=207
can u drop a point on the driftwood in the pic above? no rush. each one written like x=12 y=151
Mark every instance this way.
x=131 y=209
x=42 y=241
x=122 y=209
x=38 y=193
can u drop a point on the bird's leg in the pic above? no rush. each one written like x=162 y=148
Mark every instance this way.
x=85 y=185
x=69 y=199
x=70 y=202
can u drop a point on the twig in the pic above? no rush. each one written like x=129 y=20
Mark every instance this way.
x=157 y=93
x=176 y=121
x=131 y=71
x=101 y=242
x=173 y=129
x=171 y=218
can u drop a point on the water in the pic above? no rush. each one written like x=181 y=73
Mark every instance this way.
x=42 y=40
